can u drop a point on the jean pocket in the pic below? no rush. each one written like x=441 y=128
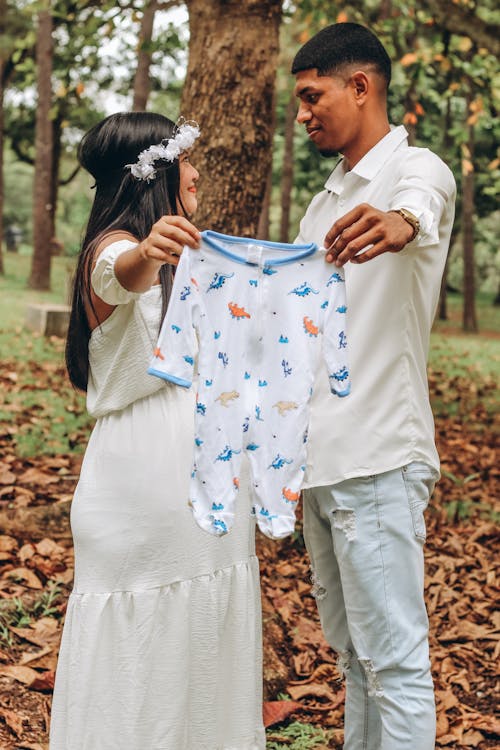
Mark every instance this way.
x=419 y=481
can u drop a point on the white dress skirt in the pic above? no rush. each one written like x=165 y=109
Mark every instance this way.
x=161 y=648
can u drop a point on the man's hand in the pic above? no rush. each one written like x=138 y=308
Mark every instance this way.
x=385 y=231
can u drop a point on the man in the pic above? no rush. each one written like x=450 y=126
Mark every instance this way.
x=386 y=215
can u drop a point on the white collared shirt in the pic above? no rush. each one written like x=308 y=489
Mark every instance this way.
x=387 y=420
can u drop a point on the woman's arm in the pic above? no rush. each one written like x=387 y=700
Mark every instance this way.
x=137 y=269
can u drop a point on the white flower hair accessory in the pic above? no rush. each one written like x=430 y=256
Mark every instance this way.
x=169 y=149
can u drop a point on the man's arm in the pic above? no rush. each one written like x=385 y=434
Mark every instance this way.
x=385 y=231
x=424 y=187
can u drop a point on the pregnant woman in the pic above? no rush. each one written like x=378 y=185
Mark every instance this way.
x=161 y=647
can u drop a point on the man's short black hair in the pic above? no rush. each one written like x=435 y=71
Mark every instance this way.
x=342 y=44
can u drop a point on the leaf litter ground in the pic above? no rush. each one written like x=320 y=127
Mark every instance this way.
x=303 y=686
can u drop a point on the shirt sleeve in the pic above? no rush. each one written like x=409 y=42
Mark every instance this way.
x=426 y=187
x=103 y=279
x=335 y=349
x=177 y=347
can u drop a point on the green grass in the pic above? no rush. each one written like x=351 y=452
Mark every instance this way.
x=19 y=613
x=472 y=356
x=467 y=354
x=487 y=313
x=15 y=295
x=56 y=428
x=49 y=414
x=296 y=736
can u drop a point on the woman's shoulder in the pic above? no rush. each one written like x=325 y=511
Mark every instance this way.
x=110 y=238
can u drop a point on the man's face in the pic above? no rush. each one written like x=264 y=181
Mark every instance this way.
x=327 y=109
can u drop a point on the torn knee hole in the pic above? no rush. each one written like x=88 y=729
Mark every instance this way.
x=345 y=520
x=344 y=662
x=317 y=589
x=375 y=689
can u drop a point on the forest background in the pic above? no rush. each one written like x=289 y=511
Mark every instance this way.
x=65 y=64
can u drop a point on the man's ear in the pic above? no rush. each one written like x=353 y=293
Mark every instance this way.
x=360 y=84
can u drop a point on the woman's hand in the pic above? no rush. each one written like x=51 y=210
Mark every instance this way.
x=167 y=238
x=137 y=269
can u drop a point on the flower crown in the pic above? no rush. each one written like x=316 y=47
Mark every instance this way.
x=168 y=150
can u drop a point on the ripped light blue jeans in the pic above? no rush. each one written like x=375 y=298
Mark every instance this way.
x=365 y=540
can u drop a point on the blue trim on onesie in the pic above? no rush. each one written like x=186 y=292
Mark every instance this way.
x=302 y=251
x=169 y=378
x=341 y=394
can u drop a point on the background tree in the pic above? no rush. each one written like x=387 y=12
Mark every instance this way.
x=96 y=57
x=229 y=89
x=469 y=310
x=142 y=84
x=432 y=72
x=287 y=169
x=89 y=37
x=43 y=228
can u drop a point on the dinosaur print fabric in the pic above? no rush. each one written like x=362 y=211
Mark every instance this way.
x=256 y=317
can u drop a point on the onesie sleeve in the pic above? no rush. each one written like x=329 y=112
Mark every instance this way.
x=177 y=347
x=103 y=279
x=335 y=350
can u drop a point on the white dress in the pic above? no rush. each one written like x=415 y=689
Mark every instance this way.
x=161 y=648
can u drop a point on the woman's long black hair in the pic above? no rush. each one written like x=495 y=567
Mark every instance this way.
x=123 y=203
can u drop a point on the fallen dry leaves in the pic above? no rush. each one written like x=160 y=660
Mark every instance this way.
x=461 y=585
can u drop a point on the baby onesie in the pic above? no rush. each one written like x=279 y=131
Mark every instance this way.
x=257 y=316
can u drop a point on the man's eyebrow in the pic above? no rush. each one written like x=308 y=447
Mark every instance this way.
x=305 y=90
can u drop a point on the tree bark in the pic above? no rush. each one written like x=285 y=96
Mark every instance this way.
x=447 y=145
x=443 y=296
x=287 y=169
x=264 y=226
x=142 y=82
x=42 y=206
x=229 y=90
x=496 y=301
x=54 y=174
x=385 y=10
x=469 y=311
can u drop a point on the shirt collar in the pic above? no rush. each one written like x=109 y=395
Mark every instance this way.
x=372 y=161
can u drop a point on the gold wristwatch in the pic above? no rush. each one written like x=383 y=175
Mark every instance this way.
x=410 y=218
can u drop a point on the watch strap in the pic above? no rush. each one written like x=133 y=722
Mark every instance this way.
x=410 y=218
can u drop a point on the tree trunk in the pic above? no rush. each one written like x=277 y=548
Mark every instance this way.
x=54 y=175
x=3 y=13
x=469 y=311
x=496 y=301
x=287 y=170
x=264 y=226
x=142 y=82
x=385 y=10
x=443 y=298
x=229 y=90
x=42 y=207
x=447 y=145
x=276 y=670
